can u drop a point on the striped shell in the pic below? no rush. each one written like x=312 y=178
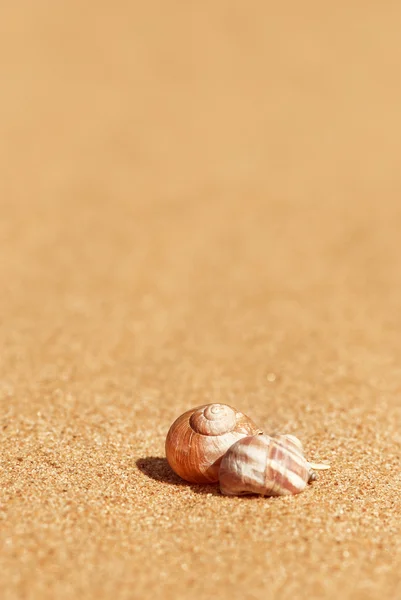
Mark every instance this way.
x=265 y=465
x=198 y=439
x=291 y=442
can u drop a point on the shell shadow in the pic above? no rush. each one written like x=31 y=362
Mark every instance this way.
x=158 y=469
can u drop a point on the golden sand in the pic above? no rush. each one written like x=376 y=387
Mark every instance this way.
x=199 y=202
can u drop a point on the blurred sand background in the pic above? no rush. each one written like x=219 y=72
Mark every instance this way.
x=199 y=201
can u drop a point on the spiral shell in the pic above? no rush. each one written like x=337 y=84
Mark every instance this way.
x=265 y=465
x=198 y=439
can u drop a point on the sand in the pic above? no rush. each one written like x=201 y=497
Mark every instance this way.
x=200 y=201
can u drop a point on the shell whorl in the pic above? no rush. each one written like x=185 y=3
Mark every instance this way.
x=214 y=419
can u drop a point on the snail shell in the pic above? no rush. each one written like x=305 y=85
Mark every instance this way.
x=199 y=438
x=265 y=465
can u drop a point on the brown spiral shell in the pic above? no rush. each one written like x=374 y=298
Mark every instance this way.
x=265 y=465
x=198 y=439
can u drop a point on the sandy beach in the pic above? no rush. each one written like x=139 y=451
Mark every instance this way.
x=199 y=202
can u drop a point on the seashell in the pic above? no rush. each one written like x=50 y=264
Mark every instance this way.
x=290 y=441
x=198 y=439
x=265 y=465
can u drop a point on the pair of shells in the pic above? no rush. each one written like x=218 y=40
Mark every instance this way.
x=216 y=442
